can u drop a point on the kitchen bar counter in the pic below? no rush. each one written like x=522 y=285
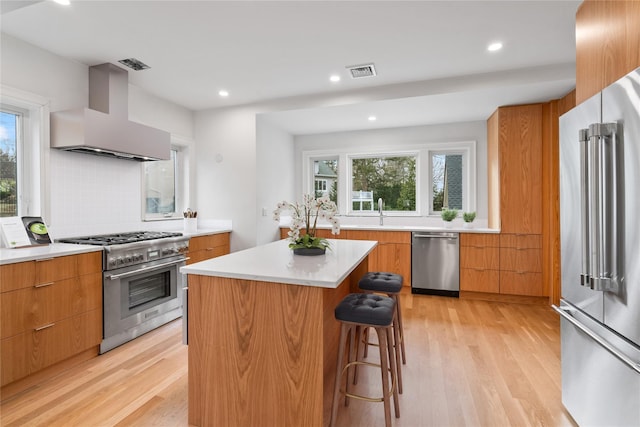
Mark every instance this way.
x=275 y=262
x=262 y=335
x=33 y=253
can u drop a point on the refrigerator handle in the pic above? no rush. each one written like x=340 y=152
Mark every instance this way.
x=565 y=313
x=584 y=209
x=600 y=203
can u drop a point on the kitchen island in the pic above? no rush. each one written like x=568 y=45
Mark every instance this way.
x=262 y=335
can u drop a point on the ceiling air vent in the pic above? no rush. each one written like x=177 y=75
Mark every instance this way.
x=134 y=64
x=359 y=71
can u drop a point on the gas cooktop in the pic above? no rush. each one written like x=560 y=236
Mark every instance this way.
x=119 y=238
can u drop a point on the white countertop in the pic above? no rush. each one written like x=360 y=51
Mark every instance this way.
x=204 y=231
x=275 y=262
x=457 y=227
x=31 y=253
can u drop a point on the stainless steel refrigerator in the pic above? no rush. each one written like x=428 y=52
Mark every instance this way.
x=600 y=243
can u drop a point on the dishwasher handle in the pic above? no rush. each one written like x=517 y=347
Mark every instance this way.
x=449 y=236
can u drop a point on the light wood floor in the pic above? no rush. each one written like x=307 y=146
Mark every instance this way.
x=469 y=363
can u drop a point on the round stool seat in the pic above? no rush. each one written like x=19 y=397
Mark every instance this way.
x=368 y=309
x=381 y=282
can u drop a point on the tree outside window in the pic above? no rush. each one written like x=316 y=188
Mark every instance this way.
x=391 y=178
x=9 y=134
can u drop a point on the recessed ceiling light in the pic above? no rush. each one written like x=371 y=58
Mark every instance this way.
x=494 y=46
x=63 y=2
x=372 y=118
x=223 y=93
x=334 y=78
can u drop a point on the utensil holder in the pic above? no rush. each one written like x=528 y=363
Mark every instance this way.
x=190 y=225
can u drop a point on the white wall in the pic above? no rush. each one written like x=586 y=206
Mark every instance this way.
x=393 y=137
x=275 y=179
x=226 y=170
x=89 y=194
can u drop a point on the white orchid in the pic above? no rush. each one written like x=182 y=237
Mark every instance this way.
x=305 y=215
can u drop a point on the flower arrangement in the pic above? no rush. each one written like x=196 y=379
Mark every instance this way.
x=305 y=216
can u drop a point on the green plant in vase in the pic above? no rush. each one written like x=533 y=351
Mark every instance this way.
x=468 y=218
x=448 y=215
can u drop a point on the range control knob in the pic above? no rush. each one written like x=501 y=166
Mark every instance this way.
x=138 y=257
x=128 y=259
x=120 y=260
x=112 y=262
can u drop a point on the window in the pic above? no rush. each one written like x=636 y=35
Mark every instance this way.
x=10 y=145
x=165 y=186
x=392 y=178
x=411 y=180
x=325 y=178
x=447 y=181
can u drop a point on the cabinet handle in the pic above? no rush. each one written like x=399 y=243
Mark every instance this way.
x=39 y=328
x=209 y=249
x=44 y=259
x=42 y=285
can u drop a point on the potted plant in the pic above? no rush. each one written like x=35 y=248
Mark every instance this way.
x=468 y=218
x=448 y=215
x=304 y=216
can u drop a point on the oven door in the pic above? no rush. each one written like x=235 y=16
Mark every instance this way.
x=140 y=298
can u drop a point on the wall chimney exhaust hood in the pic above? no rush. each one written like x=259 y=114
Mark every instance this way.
x=104 y=128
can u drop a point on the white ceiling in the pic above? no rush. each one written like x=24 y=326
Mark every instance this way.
x=431 y=57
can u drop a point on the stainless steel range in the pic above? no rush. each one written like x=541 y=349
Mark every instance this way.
x=142 y=286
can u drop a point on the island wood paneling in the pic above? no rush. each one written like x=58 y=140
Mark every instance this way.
x=262 y=353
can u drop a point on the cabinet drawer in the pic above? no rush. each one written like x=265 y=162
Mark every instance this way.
x=480 y=240
x=480 y=258
x=521 y=283
x=206 y=254
x=29 y=308
x=479 y=280
x=521 y=241
x=17 y=276
x=521 y=260
x=33 y=350
x=200 y=243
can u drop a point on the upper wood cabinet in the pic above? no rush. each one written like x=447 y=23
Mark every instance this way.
x=514 y=139
x=607 y=44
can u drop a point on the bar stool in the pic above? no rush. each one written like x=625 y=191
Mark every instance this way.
x=356 y=311
x=391 y=285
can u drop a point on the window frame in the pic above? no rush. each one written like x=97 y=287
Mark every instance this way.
x=33 y=153
x=181 y=183
x=423 y=174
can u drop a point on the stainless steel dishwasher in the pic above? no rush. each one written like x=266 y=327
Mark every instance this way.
x=435 y=263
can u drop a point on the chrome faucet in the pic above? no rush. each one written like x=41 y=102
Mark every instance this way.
x=380 y=209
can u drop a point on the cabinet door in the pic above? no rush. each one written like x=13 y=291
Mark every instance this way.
x=479 y=280
x=520 y=145
x=394 y=258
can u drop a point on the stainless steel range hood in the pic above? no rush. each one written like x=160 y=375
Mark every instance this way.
x=104 y=128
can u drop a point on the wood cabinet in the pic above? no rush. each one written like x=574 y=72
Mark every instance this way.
x=392 y=254
x=480 y=262
x=209 y=246
x=51 y=310
x=519 y=163
x=607 y=44
x=516 y=138
x=521 y=264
